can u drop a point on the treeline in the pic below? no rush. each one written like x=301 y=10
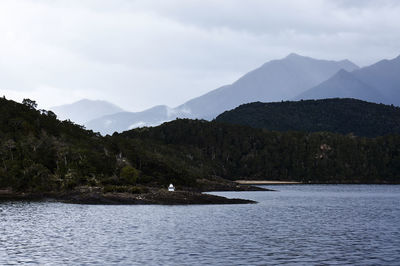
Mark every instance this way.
x=39 y=153
x=332 y=115
x=234 y=152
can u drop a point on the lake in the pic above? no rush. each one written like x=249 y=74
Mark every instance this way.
x=297 y=225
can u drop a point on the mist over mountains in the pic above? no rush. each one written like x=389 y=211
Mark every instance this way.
x=85 y=110
x=294 y=77
x=128 y=120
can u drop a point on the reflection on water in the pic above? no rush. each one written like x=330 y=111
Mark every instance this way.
x=306 y=224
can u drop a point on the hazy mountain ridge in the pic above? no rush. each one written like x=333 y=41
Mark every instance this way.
x=85 y=110
x=378 y=83
x=293 y=77
x=127 y=120
x=275 y=80
x=344 y=85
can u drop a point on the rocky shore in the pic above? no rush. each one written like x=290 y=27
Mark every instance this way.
x=90 y=195
x=160 y=197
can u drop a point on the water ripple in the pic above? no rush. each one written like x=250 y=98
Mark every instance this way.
x=300 y=225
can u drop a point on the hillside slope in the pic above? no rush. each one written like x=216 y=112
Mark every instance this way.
x=334 y=115
x=240 y=152
x=41 y=153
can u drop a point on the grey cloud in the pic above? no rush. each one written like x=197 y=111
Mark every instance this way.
x=142 y=53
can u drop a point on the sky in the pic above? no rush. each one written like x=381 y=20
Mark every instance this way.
x=141 y=53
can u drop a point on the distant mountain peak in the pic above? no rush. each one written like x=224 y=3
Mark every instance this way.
x=85 y=100
x=85 y=110
x=345 y=64
x=90 y=101
x=343 y=84
x=293 y=55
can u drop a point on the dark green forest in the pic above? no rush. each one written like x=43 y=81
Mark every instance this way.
x=39 y=153
x=234 y=152
x=332 y=115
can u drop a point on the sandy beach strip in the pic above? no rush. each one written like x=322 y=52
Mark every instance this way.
x=266 y=182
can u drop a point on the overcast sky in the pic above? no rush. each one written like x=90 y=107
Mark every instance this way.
x=137 y=54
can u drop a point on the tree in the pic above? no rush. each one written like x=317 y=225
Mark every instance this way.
x=51 y=114
x=10 y=145
x=129 y=174
x=30 y=103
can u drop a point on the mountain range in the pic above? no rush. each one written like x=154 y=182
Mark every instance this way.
x=378 y=83
x=294 y=77
x=274 y=81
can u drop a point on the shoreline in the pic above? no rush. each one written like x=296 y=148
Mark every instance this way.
x=267 y=182
x=154 y=197
x=160 y=197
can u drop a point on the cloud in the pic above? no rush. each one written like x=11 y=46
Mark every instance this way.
x=145 y=52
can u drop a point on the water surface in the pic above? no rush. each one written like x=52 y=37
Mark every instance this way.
x=298 y=225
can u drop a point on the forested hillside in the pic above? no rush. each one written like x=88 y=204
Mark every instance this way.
x=235 y=152
x=333 y=115
x=40 y=153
